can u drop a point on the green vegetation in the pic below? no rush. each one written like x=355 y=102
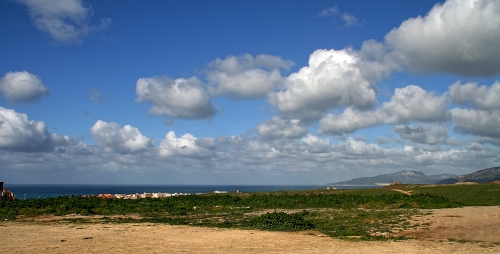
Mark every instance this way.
x=281 y=221
x=469 y=195
x=365 y=213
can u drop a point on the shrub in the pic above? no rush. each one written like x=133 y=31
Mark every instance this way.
x=281 y=222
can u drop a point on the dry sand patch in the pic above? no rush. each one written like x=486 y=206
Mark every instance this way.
x=63 y=237
x=468 y=223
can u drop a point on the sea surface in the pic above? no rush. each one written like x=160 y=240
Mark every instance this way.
x=26 y=191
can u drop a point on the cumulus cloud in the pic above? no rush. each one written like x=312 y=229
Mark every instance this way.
x=349 y=121
x=477 y=122
x=333 y=78
x=410 y=103
x=314 y=144
x=22 y=86
x=461 y=37
x=246 y=77
x=124 y=140
x=458 y=37
x=482 y=120
x=18 y=133
x=276 y=128
x=423 y=133
x=184 y=146
x=66 y=21
x=180 y=98
x=356 y=148
x=481 y=97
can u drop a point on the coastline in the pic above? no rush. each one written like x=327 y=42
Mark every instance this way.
x=27 y=191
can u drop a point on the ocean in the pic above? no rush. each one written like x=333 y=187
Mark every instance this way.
x=26 y=191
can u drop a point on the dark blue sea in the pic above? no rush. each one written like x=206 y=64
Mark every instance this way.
x=26 y=191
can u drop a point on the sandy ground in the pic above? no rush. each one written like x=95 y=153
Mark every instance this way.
x=476 y=230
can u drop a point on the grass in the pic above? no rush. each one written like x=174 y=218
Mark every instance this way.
x=363 y=214
x=468 y=195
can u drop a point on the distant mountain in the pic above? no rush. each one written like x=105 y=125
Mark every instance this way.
x=442 y=176
x=410 y=177
x=481 y=176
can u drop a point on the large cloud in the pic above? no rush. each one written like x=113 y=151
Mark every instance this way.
x=481 y=97
x=423 y=133
x=17 y=133
x=483 y=119
x=66 y=21
x=276 y=128
x=334 y=78
x=410 y=103
x=461 y=37
x=120 y=140
x=22 y=86
x=184 y=146
x=477 y=122
x=349 y=121
x=314 y=144
x=180 y=98
x=246 y=77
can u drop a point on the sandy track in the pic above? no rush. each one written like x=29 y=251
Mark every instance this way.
x=58 y=237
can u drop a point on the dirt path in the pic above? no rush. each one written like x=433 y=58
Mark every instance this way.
x=403 y=191
x=61 y=237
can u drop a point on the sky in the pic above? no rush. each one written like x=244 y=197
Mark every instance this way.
x=246 y=92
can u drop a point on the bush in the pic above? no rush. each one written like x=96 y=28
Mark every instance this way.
x=281 y=222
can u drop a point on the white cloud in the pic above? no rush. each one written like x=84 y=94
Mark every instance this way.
x=352 y=147
x=410 y=103
x=22 y=86
x=246 y=77
x=330 y=11
x=332 y=79
x=481 y=97
x=227 y=159
x=124 y=140
x=349 y=121
x=314 y=144
x=413 y=103
x=66 y=21
x=423 y=133
x=461 y=37
x=276 y=128
x=17 y=133
x=349 y=19
x=477 y=122
x=184 y=146
x=180 y=98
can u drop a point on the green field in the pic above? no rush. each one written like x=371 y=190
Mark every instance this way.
x=337 y=213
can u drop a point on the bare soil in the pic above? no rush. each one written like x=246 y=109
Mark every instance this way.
x=461 y=230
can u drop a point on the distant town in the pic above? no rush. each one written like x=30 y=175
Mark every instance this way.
x=150 y=195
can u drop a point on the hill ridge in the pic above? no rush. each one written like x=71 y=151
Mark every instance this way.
x=404 y=176
x=480 y=176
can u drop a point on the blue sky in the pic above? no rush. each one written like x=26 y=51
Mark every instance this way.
x=246 y=92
